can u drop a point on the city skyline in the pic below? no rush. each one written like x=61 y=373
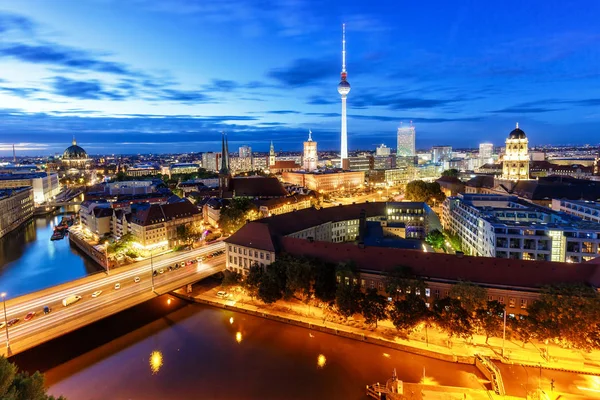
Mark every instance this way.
x=149 y=83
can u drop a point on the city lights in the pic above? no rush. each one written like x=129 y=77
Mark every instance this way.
x=321 y=361
x=238 y=337
x=156 y=361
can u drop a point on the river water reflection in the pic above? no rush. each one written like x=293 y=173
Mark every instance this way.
x=29 y=261
x=199 y=352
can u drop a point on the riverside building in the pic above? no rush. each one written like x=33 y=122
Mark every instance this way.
x=505 y=226
x=16 y=207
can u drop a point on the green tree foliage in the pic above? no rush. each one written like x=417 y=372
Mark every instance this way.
x=570 y=313
x=435 y=238
x=453 y=318
x=121 y=246
x=324 y=281
x=429 y=192
x=231 y=278
x=373 y=306
x=455 y=240
x=253 y=279
x=348 y=298
x=407 y=313
x=299 y=276
x=273 y=283
x=188 y=233
x=15 y=385
x=490 y=319
x=401 y=280
x=236 y=213
x=451 y=172
x=521 y=328
x=471 y=296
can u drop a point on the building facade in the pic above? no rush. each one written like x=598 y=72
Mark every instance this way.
x=45 y=186
x=515 y=165
x=406 y=142
x=211 y=161
x=504 y=226
x=586 y=210
x=383 y=150
x=326 y=181
x=310 y=156
x=440 y=154
x=16 y=207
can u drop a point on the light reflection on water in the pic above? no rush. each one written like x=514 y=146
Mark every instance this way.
x=275 y=361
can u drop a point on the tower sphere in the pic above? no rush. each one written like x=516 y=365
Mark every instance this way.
x=344 y=88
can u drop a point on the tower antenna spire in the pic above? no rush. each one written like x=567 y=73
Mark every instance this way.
x=343 y=47
x=309 y=135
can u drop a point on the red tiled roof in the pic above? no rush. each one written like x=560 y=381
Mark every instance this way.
x=255 y=235
x=285 y=165
x=257 y=187
x=481 y=270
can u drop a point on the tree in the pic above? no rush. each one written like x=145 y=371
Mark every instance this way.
x=273 y=283
x=430 y=193
x=435 y=238
x=451 y=172
x=453 y=318
x=471 y=296
x=373 y=306
x=490 y=319
x=521 y=328
x=401 y=280
x=253 y=279
x=348 y=298
x=409 y=312
x=15 y=385
x=235 y=214
x=324 y=280
x=455 y=240
x=231 y=278
x=298 y=276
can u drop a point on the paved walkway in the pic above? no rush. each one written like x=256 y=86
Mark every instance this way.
x=421 y=339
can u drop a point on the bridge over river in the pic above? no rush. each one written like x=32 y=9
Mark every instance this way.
x=61 y=320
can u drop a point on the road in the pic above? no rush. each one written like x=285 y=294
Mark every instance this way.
x=61 y=319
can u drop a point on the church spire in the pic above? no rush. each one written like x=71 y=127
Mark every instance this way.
x=224 y=155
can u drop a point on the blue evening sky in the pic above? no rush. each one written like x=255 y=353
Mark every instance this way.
x=128 y=76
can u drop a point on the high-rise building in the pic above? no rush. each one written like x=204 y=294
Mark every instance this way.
x=310 y=155
x=406 y=142
x=382 y=150
x=343 y=90
x=440 y=154
x=515 y=165
x=486 y=151
x=245 y=151
x=211 y=161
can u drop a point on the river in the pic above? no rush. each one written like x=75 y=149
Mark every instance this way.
x=167 y=349
x=29 y=261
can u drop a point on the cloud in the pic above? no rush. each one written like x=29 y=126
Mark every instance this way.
x=14 y=22
x=222 y=85
x=525 y=110
x=185 y=96
x=395 y=101
x=19 y=91
x=304 y=72
x=84 y=90
x=282 y=112
x=321 y=100
x=62 y=56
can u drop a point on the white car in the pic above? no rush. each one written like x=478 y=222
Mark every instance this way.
x=117 y=286
x=161 y=271
x=96 y=293
x=221 y=294
x=136 y=279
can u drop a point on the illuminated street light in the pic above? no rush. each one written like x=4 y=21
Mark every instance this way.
x=238 y=337
x=3 y=294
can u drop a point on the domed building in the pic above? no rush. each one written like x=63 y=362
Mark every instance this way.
x=515 y=165
x=75 y=157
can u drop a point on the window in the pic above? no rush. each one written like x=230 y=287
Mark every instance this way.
x=255 y=253
x=523 y=303
x=427 y=292
x=362 y=283
x=338 y=279
x=372 y=284
x=245 y=253
x=262 y=255
x=436 y=293
x=446 y=293
x=230 y=259
x=501 y=299
x=235 y=249
x=268 y=256
x=380 y=285
x=229 y=247
x=347 y=280
x=418 y=292
x=490 y=298
x=511 y=302
x=235 y=260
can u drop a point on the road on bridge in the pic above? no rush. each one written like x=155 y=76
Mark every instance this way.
x=121 y=289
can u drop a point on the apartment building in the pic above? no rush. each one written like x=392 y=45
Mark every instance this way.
x=16 y=207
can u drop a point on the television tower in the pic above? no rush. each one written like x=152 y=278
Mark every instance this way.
x=343 y=90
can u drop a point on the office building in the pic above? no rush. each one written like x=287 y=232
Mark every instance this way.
x=586 y=210
x=183 y=168
x=45 y=186
x=143 y=169
x=486 y=152
x=326 y=181
x=245 y=152
x=16 y=207
x=440 y=154
x=211 y=161
x=406 y=142
x=383 y=150
x=504 y=226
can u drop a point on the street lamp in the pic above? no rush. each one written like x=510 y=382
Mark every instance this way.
x=504 y=332
x=3 y=294
x=106 y=256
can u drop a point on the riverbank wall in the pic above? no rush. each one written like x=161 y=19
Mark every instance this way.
x=330 y=328
x=98 y=256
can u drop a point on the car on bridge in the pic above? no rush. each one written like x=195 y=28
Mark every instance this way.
x=13 y=321
x=136 y=279
x=117 y=286
x=96 y=293
x=71 y=299
x=47 y=310
x=29 y=316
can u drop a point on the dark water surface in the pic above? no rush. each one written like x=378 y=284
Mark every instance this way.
x=199 y=352
x=29 y=261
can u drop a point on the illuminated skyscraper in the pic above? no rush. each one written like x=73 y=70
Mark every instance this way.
x=343 y=90
x=245 y=151
x=406 y=142
x=486 y=151
x=310 y=157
